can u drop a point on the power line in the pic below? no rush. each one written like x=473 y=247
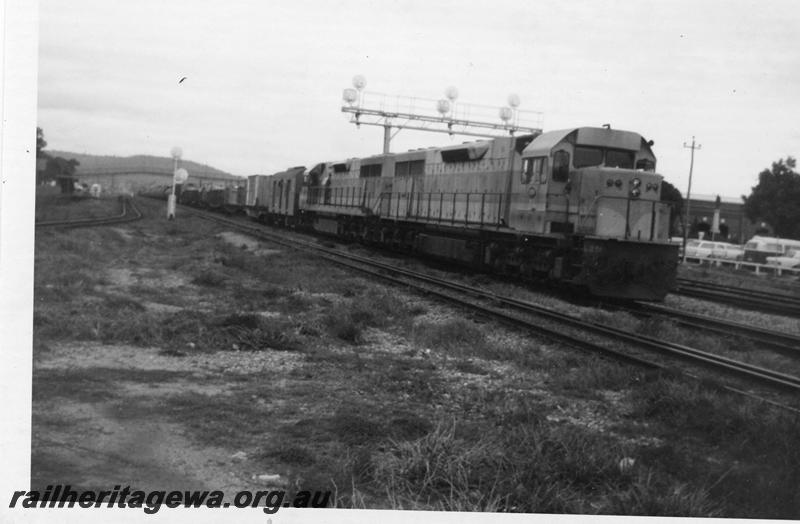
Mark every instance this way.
x=693 y=147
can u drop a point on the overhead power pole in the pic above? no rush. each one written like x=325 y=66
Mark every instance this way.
x=688 y=195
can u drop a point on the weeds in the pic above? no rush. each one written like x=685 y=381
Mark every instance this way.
x=589 y=379
x=529 y=469
x=618 y=320
x=462 y=338
x=250 y=332
x=457 y=336
x=375 y=308
x=647 y=496
x=765 y=440
x=122 y=320
x=209 y=278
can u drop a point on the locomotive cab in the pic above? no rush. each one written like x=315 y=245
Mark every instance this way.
x=591 y=181
x=595 y=190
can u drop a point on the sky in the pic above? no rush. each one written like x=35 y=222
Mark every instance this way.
x=264 y=80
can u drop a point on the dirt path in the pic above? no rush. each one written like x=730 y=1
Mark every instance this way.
x=98 y=434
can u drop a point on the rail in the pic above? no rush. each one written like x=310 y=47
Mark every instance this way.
x=785 y=343
x=775 y=303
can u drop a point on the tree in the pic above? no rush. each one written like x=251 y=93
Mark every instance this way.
x=776 y=199
x=40 y=144
x=41 y=156
x=670 y=193
x=63 y=170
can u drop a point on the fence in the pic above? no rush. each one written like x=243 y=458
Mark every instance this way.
x=768 y=269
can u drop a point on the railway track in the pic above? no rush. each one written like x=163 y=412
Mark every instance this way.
x=778 y=341
x=129 y=213
x=781 y=304
x=639 y=349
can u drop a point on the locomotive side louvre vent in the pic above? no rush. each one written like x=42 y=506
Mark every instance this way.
x=465 y=153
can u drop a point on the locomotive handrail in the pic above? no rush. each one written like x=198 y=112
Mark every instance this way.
x=431 y=199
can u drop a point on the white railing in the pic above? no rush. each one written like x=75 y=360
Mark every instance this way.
x=740 y=264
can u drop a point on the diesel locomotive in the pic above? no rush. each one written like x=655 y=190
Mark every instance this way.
x=580 y=206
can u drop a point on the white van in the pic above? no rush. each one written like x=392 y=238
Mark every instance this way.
x=757 y=249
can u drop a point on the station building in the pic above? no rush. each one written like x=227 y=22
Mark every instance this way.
x=734 y=226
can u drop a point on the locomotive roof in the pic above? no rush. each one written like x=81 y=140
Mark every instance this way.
x=291 y=171
x=474 y=150
x=587 y=136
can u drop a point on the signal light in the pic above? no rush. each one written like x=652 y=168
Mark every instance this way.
x=635 y=192
x=636 y=182
x=609 y=182
x=618 y=183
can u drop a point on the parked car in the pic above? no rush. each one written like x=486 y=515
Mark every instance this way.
x=707 y=249
x=790 y=260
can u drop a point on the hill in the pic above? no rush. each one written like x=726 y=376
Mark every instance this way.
x=94 y=164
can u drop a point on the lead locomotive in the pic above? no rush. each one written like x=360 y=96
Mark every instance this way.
x=580 y=206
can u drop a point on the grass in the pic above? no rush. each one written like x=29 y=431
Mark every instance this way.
x=525 y=468
x=253 y=332
x=374 y=307
x=55 y=206
x=457 y=336
x=589 y=381
x=462 y=339
x=741 y=349
x=760 y=478
x=390 y=410
x=209 y=278
x=121 y=320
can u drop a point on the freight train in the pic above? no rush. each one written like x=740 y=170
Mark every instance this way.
x=580 y=206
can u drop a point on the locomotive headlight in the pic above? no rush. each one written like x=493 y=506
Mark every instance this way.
x=618 y=182
x=636 y=182
x=609 y=182
x=635 y=192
